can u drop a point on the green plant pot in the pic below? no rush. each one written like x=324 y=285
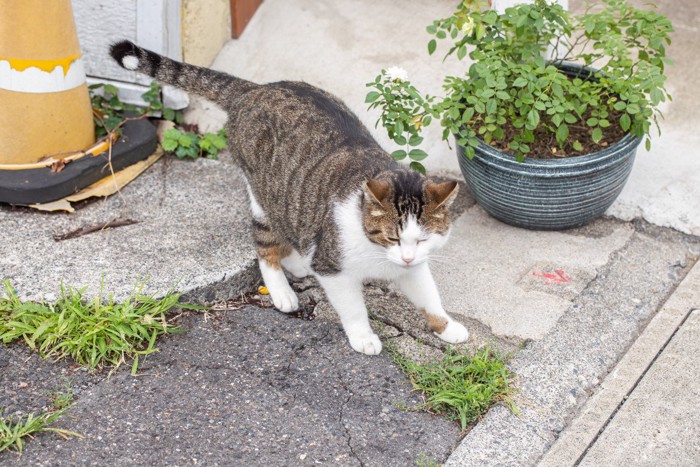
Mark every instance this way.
x=548 y=194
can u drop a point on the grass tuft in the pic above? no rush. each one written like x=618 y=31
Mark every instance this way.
x=460 y=387
x=94 y=333
x=13 y=431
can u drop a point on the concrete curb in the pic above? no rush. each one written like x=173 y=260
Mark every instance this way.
x=558 y=373
x=618 y=385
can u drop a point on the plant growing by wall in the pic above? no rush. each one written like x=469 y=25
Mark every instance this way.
x=110 y=113
x=512 y=98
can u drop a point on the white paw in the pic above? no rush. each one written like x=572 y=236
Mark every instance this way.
x=368 y=344
x=284 y=299
x=454 y=333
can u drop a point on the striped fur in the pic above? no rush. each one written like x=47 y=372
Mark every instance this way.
x=325 y=197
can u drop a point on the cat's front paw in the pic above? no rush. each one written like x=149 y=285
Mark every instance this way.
x=368 y=344
x=454 y=333
x=284 y=299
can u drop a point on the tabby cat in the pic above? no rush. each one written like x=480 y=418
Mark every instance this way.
x=326 y=199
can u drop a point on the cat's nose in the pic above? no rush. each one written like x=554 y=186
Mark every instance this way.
x=407 y=260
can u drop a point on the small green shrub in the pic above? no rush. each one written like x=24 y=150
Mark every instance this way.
x=184 y=144
x=14 y=430
x=95 y=333
x=459 y=386
x=110 y=113
x=512 y=97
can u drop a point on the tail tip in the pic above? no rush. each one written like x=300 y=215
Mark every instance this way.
x=126 y=54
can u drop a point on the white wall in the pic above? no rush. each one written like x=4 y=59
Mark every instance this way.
x=154 y=24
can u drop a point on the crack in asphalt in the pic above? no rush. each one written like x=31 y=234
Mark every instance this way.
x=348 y=436
x=403 y=332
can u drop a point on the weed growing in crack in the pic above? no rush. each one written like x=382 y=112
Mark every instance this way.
x=62 y=398
x=424 y=461
x=460 y=387
x=13 y=431
x=94 y=333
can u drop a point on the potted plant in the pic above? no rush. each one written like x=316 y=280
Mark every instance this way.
x=544 y=143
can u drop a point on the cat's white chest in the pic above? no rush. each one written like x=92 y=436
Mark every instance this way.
x=360 y=257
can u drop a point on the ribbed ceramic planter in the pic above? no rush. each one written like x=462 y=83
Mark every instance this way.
x=549 y=194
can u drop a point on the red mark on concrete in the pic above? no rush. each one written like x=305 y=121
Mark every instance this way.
x=558 y=277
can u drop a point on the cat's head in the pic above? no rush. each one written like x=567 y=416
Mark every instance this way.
x=407 y=214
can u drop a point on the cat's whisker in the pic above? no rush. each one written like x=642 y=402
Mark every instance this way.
x=439 y=260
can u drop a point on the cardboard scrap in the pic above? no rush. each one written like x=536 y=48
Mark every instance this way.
x=101 y=188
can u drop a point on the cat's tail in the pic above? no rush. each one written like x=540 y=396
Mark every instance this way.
x=213 y=85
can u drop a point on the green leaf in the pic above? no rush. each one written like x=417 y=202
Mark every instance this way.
x=647 y=144
x=415 y=140
x=577 y=145
x=619 y=105
x=597 y=134
x=111 y=89
x=417 y=154
x=399 y=155
x=169 y=114
x=169 y=145
x=533 y=118
x=519 y=82
x=625 y=122
x=205 y=144
x=633 y=109
x=461 y=52
x=172 y=133
x=569 y=118
x=480 y=31
x=181 y=152
x=431 y=46
x=217 y=140
x=185 y=140
x=371 y=97
x=562 y=133
x=417 y=166
x=656 y=96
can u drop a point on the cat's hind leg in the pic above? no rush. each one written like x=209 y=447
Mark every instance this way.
x=270 y=252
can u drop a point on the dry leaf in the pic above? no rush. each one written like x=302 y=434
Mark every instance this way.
x=59 y=165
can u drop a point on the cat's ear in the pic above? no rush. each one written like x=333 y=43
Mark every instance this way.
x=442 y=194
x=377 y=189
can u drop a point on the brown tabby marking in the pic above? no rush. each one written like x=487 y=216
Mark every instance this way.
x=268 y=246
x=437 y=324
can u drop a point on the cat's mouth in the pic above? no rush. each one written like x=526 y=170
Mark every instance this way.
x=404 y=265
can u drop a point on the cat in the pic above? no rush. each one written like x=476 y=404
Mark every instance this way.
x=326 y=199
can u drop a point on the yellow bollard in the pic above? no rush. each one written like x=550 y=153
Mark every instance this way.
x=44 y=102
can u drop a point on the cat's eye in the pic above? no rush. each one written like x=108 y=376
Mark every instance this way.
x=394 y=239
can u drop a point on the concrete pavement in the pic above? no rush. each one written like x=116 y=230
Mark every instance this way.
x=569 y=305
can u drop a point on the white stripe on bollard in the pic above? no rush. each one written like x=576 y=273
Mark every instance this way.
x=35 y=77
